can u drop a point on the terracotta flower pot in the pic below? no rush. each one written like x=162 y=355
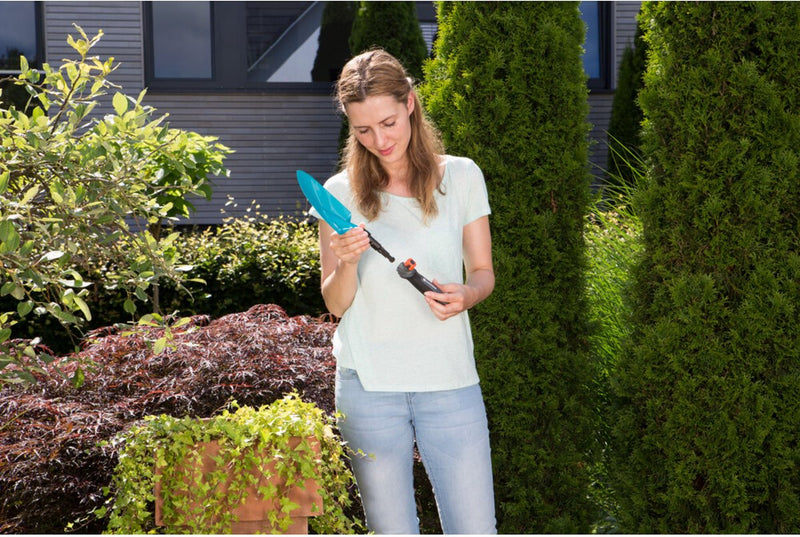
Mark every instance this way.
x=252 y=516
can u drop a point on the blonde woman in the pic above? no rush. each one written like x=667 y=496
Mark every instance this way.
x=405 y=366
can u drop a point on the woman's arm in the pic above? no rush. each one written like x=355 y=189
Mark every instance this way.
x=339 y=256
x=477 y=244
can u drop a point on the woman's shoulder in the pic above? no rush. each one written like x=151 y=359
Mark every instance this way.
x=339 y=183
x=459 y=162
x=462 y=168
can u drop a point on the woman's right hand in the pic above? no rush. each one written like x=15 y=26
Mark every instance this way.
x=339 y=255
x=349 y=246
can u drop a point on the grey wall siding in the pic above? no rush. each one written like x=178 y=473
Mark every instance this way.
x=121 y=23
x=272 y=134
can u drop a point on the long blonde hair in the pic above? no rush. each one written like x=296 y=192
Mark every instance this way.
x=373 y=73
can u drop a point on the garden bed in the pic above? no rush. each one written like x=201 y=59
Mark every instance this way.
x=53 y=465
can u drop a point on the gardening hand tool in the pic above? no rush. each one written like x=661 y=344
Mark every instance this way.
x=338 y=217
x=408 y=270
x=332 y=210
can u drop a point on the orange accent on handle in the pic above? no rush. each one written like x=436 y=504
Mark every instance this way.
x=410 y=264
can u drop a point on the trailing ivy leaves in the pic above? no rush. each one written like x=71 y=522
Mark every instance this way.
x=299 y=435
x=81 y=192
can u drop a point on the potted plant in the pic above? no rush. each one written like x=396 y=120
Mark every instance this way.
x=264 y=470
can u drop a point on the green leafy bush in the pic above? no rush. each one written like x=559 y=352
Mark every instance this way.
x=614 y=244
x=506 y=87
x=250 y=261
x=243 y=262
x=288 y=430
x=706 y=436
x=74 y=188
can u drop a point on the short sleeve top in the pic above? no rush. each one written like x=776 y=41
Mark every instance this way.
x=388 y=334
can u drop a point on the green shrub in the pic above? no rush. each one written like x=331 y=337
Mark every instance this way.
x=625 y=125
x=250 y=261
x=243 y=262
x=506 y=88
x=273 y=441
x=706 y=437
x=394 y=27
x=613 y=238
x=75 y=189
x=334 y=35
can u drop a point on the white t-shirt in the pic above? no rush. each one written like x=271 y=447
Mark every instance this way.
x=389 y=334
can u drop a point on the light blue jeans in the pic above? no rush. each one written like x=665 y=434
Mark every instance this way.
x=452 y=437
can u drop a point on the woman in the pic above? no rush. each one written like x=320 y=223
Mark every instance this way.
x=405 y=365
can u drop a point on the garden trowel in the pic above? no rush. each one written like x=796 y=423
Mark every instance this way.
x=337 y=216
x=332 y=210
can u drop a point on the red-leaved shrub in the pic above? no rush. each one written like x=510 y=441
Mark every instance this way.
x=52 y=465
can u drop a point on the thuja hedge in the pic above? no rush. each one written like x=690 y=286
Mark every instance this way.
x=706 y=438
x=506 y=88
x=625 y=124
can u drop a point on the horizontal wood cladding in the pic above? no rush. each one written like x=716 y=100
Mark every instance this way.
x=272 y=135
x=121 y=23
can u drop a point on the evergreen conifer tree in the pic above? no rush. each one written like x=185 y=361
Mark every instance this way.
x=507 y=89
x=394 y=27
x=707 y=434
x=624 y=128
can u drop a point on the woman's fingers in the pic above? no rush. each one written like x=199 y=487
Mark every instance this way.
x=351 y=245
x=449 y=303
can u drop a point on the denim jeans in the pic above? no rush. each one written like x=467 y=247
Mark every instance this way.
x=452 y=437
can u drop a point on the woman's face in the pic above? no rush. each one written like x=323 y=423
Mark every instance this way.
x=383 y=126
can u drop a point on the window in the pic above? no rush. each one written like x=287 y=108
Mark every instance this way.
x=235 y=45
x=20 y=34
x=597 y=47
x=182 y=40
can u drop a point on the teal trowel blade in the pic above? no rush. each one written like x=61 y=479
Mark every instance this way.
x=329 y=208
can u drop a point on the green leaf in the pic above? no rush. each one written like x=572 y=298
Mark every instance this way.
x=120 y=103
x=129 y=306
x=87 y=314
x=29 y=195
x=160 y=345
x=8 y=232
x=18 y=292
x=52 y=255
x=24 y=308
x=78 y=378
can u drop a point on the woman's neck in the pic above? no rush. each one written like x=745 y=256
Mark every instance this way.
x=399 y=180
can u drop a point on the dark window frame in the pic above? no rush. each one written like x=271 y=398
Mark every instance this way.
x=40 y=55
x=229 y=58
x=603 y=83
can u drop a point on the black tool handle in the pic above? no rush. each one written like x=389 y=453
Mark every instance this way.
x=407 y=270
x=380 y=249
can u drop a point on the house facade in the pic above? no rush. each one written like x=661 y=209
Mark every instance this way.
x=257 y=75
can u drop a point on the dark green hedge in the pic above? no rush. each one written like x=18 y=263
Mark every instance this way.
x=707 y=434
x=625 y=124
x=507 y=89
x=394 y=27
x=247 y=262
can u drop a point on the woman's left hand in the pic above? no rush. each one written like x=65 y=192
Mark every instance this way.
x=456 y=298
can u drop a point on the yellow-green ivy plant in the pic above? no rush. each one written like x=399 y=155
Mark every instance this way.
x=244 y=434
